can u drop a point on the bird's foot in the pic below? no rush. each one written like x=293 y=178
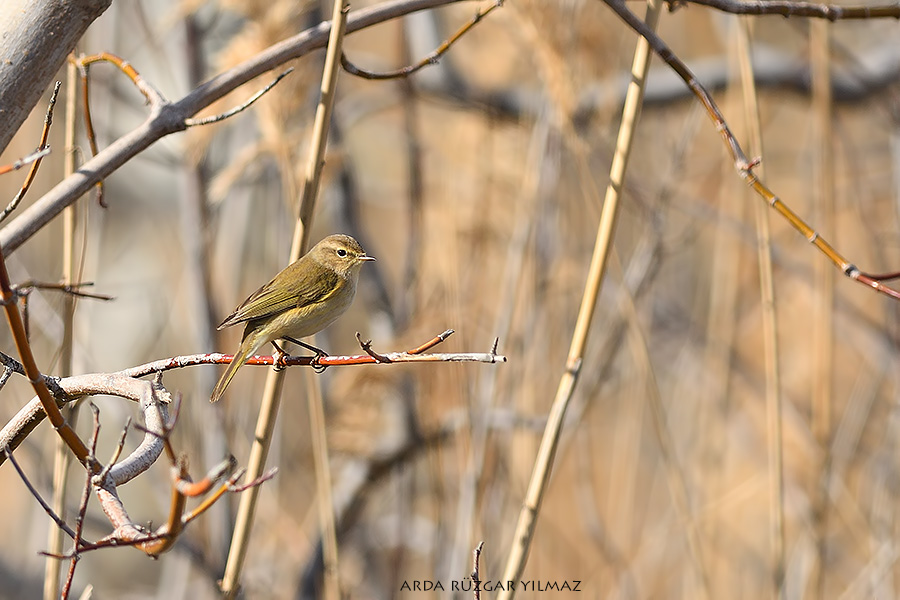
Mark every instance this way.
x=315 y=364
x=278 y=358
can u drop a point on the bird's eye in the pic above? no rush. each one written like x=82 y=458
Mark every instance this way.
x=341 y=252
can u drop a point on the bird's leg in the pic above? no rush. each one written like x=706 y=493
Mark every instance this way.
x=278 y=357
x=315 y=360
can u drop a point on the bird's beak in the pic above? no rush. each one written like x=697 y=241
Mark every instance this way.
x=366 y=258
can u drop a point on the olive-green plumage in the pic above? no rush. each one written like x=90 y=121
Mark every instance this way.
x=306 y=297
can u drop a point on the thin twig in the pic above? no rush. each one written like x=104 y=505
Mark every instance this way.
x=218 y=358
x=229 y=486
x=119 y=447
x=476 y=578
x=240 y=108
x=432 y=342
x=194 y=489
x=43 y=150
x=367 y=348
x=152 y=95
x=56 y=519
x=88 y=121
x=431 y=59
x=71 y=289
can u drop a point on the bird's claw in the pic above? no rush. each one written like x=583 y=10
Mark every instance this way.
x=278 y=358
x=316 y=365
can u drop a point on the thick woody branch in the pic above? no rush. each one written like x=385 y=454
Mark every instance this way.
x=66 y=390
x=37 y=36
x=153 y=399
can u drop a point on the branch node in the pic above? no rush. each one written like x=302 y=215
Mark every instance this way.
x=367 y=348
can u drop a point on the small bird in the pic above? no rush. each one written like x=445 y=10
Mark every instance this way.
x=306 y=297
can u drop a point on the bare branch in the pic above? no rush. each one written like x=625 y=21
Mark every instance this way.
x=168 y=118
x=788 y=8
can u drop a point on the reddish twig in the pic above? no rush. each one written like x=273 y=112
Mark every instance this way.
x=25 y=160
x=218 y=358
x=153 y=96
x=194 y=489
x=83 y=63
x=432 y=342
x=17 y=327
x=229 y=486
x=884 y=276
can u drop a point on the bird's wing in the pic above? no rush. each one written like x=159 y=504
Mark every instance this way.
x=291 y=288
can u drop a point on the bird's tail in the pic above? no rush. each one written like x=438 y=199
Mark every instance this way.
x=244 y=352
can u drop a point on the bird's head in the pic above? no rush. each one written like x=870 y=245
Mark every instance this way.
x=341 y=253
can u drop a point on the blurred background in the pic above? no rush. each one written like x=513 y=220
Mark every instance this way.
x=464 y=182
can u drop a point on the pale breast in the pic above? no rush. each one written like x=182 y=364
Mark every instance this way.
x=316 y=317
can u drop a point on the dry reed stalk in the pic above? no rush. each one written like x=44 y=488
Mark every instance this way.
x=774 y=424
x=721 y=323
x=823 y=289
x=675 y=477
x=62 y=459
x=513 y=273
x=275 y=380
x=540 y=477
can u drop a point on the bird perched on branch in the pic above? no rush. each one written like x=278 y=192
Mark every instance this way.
x=306 y=297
